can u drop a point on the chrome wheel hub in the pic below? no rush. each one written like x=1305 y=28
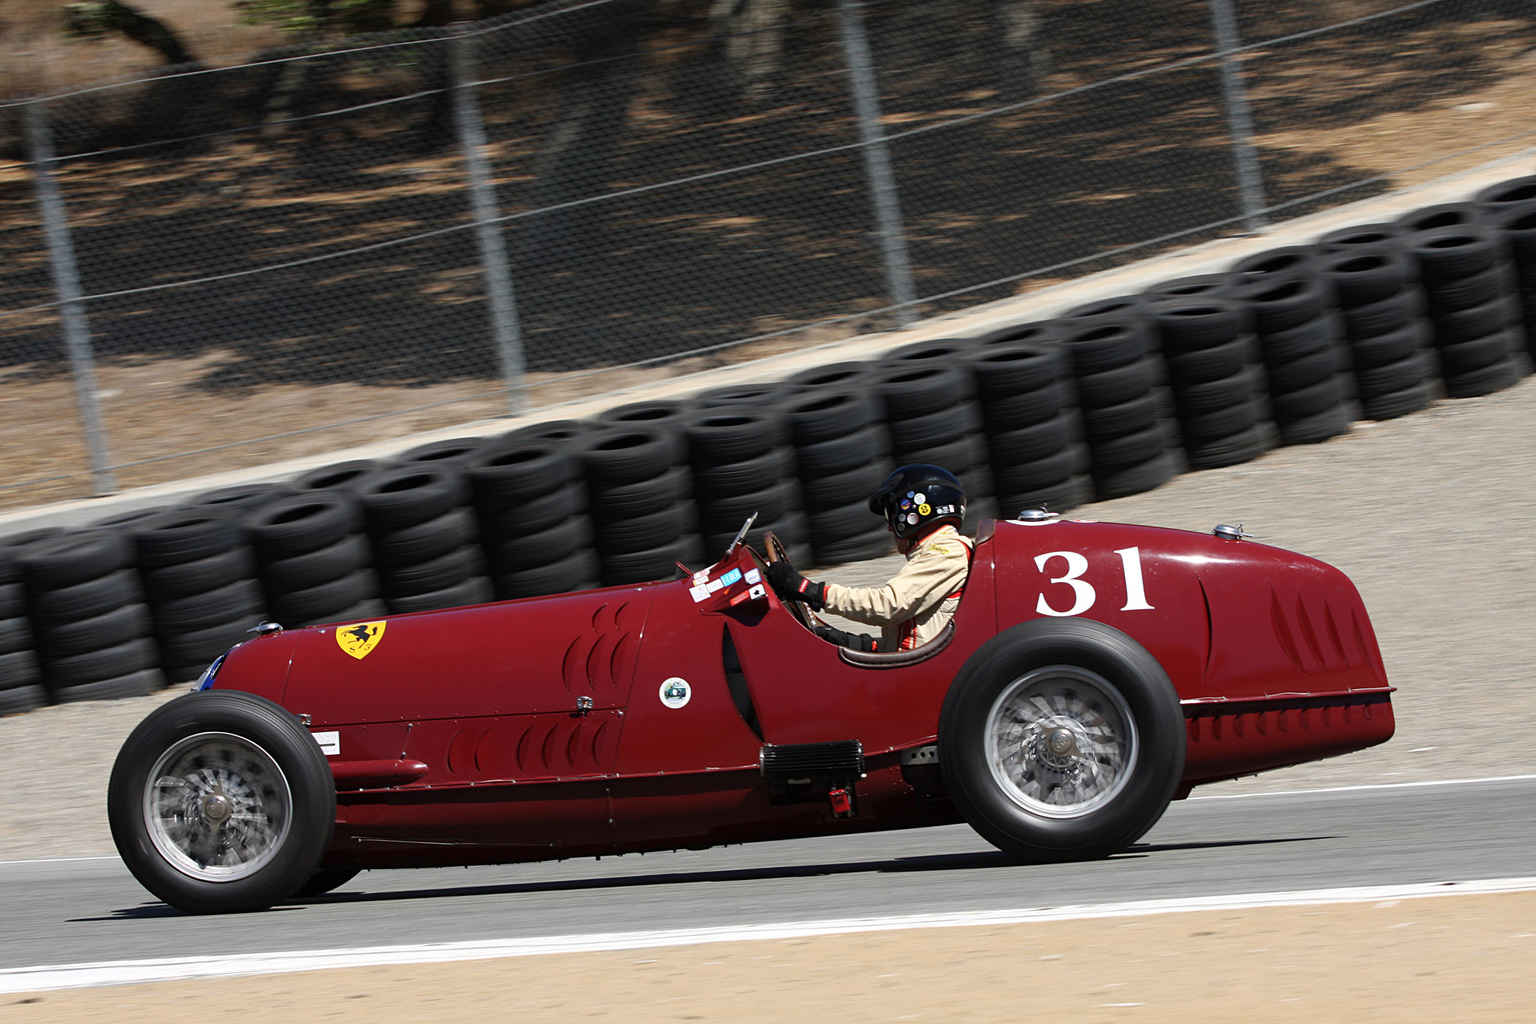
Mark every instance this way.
x=1061 y=741
x=217 y=807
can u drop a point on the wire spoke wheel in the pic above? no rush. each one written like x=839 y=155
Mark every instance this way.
x=1061 y=741
x=217 y=806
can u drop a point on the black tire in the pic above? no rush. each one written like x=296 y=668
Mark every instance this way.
x=1112 y=421
x=772 y=502
x=627 y=455
x=133 y=655
x=16 y=635
x=451 y=452
x=659 y=563
x=513 y=473
x=1099 y=309
x=1390 y=347
x=242 y=734
x=1185 y=325
x=1196 y=287
x=323 y=601
x=1135 y=479
x=1449 y=253
x=935 y=428
x=949 y=351
x=717 y=436
x=115 y=627
x=1393 y=404
x=1286 y=305
x=184 y=579
x=842 y=521
x=1011 y=412
x=538 y=513
x=1233 y=449
x=72 y=558
x=642 y=498
x=517 y=552
x=1212 y=363
x=1485 y=381
x=860 y=547
x=243 y=499
x=1012 y=369
x=1478 y=321
x=18 y=699
x=336 y=476
x=836 y=375
x=183 y=535
x=1473 y=290
x=1035 y=442
x=1286 y=262
x=425 y=541
x=1127 y=450
x=664 y=413
x=751 y=396
x=202 y=646
x=1121 y=384
x=1441 y=215
x=1202 y=429
x=301 y=523
x=1513 y=192
x=919 y=389
x=1405 y=373
x=1101 y=679
x=19 y=668
x=1307 y=370
x=475 y=590
x=1036 y=333
x=711 y=482
x=1070 y=493
x=551 y=431
x=83 y=600
x=236 y=600
x=1308 y=401
x=1036 y=474
x=1208 y=396
x=1317 y=427
x=1383 y=315
x=310 y=570
x=408 y=495
x=579 y=571
x=1467 y=356
x=641 y=533
x=845 y=453
x=1103 y=344
x=1363 y=276
x=440 y=573
x=824 y=415
x=134 y=684
x=843 y=488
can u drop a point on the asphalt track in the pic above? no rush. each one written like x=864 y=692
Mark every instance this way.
x=91 y=910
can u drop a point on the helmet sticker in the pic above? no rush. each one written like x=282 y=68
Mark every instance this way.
x=919 y=498
x=924 y=509
x=675 y=692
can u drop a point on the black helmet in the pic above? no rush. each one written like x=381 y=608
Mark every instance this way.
x=913 y=497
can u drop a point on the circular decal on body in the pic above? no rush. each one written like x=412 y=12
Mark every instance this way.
x=675 y=692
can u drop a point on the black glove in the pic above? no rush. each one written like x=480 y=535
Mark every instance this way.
x=854 y=641
x=791 y=586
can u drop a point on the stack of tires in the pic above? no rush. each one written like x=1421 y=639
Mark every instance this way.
x=1197 y=287
x=1118 y=372
x=338 y=476
x=743 y=463
x=21 y=678
x=453 y=451
x=1034 y=432
x=1510 y=207
x=933 y=418
x=641 y=495
x=242 y=498
x=1442 y=215
x=531 y=506
x=1305 y=356
x=1377 y=290
x=89 y=621
x=1215 y=375
x=313 y=559
x=745 y=396
x=424 y=537
x=1474 y=305
x=199 y=580
x=843 y=453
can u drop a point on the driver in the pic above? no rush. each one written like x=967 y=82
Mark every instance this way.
x=922 y=506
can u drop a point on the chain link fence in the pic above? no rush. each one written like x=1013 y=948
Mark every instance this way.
x=215 y=268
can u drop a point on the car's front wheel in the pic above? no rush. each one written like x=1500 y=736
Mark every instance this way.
x=221 y=801
x=1061 y=739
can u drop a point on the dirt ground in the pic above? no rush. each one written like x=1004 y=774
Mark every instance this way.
x=1446 y=959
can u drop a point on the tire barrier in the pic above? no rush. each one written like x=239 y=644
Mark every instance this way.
x=1474 y=306
x=1517 y=222
x=313 y=558
x=933 y=417
x=742 y=462
x=642 y=506
x=1107 y=398
x=1215 y=375
x=1131 y=445
x=89 y=622
x=531 y=505
x=1305 y=355
x=199 y=581
x=21 y=674
x=843 y=452
x=1381 y=304
x=424 y=537
x=1033 y=428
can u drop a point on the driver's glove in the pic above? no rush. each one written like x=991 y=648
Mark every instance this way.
x=791 y=586
x=854 y=641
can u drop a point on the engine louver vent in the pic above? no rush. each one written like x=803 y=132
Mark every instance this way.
x=793 y=761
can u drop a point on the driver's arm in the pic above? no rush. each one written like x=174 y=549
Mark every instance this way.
x=854 y=641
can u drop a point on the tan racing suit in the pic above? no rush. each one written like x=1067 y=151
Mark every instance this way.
x=920 y=600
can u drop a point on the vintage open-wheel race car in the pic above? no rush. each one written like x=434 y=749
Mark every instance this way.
x=1092 y=673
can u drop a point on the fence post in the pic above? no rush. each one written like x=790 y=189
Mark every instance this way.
x=66 y=282
x=877 y=161
x=1249 y=182
x=505 y=328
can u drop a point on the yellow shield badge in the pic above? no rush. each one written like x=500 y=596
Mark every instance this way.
x=358 y=640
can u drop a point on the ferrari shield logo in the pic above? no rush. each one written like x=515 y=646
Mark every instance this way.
x=358 y=640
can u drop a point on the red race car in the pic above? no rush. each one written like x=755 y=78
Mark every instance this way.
x=1092 y=673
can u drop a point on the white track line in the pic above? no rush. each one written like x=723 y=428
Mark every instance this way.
x=131 y=972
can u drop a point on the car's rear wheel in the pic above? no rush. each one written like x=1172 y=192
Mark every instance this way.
x=1061 y=739
x=221 y=801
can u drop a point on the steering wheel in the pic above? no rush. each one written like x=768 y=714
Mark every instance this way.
x=776 y=553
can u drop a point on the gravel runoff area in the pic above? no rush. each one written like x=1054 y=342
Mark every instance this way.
x=1431 y=515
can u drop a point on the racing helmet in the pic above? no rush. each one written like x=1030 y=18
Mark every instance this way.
x=914 y=498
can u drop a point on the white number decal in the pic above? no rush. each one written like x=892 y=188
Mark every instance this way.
x=1083 y=594
x=1082 y=590
x=1135 y=588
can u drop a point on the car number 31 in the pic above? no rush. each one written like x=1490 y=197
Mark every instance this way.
x=1083 y=594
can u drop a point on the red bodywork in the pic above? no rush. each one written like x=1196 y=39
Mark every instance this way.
x=537 y=729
